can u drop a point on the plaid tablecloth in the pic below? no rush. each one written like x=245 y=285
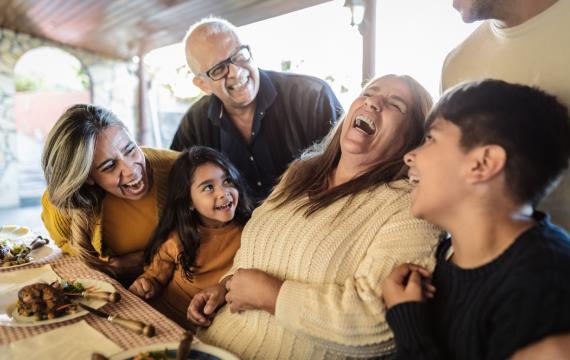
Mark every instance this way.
x=130 y=307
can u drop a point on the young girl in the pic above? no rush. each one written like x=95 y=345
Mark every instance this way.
x=198 y=233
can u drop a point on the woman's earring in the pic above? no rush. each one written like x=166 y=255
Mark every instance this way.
x=191 y=208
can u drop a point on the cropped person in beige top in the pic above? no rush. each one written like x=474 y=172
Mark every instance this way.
x=198 y=233
x=305 y=281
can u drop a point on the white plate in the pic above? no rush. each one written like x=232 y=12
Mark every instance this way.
x=10 y=232
x=12 y=318
x=35 y=254
x=214 y=352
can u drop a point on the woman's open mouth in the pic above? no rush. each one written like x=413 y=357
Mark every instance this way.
x=364 y=124
x=135 y=187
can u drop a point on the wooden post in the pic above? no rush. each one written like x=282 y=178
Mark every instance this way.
x=142 y=126
x=368 y=31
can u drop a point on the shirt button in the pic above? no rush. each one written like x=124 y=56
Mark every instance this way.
x=251 y=158
x=261 y=113
x=259 y=183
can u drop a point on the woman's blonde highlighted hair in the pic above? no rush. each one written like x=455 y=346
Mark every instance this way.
x=66 y=161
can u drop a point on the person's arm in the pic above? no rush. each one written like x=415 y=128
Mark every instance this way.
x=159 y=272
x=252 y=289
x=204 y=304
x=329 y=110
x=550 y=348
x=413 y=335
x=195 y=128
x=57 y=224
x=531 y=307
x=405 y=291
x=322 y=113
x=183 y=137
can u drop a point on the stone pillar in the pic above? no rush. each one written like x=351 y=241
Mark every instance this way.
x=113 y=86
x=8 y=140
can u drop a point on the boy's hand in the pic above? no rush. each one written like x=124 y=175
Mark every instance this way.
x=144 y=288
x=204 y=304
x=407 y=282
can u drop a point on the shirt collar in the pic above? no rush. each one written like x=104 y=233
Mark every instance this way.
x=267 y=93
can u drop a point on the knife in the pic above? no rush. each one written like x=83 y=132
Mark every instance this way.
x=111 y=297
x=133 y=325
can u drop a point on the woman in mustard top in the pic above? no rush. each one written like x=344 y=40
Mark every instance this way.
x=104 y=193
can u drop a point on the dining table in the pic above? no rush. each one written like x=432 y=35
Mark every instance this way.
x=129 y=307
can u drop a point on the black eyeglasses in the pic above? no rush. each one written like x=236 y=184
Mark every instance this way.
x=219 y=71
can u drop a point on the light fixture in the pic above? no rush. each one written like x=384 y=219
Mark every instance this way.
x=357 y=8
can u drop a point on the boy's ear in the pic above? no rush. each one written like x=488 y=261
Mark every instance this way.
x=202 y=84
x=486 y=162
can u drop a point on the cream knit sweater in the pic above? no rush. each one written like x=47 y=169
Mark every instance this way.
x=332 y=262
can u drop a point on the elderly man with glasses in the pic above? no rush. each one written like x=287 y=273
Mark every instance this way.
x=261 y=120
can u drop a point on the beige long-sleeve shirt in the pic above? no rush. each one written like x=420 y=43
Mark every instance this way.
x=332 y=263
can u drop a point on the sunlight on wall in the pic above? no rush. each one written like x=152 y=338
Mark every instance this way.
x=330 y=50
x=414 y=36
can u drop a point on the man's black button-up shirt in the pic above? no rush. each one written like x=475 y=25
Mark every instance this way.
x=292 y=112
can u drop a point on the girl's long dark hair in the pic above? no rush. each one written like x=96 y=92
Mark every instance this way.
x=177 y=215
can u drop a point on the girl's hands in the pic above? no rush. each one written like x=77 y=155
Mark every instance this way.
x=202 y=308
x=252 y=289
x=407 y=282
x=144 y=288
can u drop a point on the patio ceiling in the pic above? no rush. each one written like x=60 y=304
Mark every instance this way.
x=124 y=28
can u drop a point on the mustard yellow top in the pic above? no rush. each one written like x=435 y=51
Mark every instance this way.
x=140 y=217
x=215 y=257
x=59 y=226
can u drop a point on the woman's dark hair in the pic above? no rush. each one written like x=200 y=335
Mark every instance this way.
x=310 y=175
x=532 y=126
x=177 y=215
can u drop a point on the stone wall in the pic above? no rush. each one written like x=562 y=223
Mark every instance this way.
x=113 y=85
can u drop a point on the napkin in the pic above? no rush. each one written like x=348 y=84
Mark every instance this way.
x=76 y=341
x=12 y=282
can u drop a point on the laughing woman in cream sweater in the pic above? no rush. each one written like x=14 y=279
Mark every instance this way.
x=305 y=282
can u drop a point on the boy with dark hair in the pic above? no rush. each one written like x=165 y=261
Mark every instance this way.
x=492 y=151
